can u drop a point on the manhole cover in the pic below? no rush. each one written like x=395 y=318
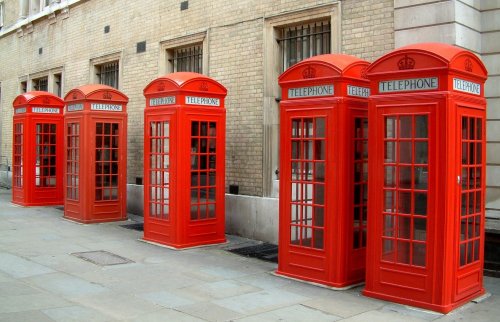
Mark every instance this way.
x=264 y=251
x=139 y=226
x=102 y=258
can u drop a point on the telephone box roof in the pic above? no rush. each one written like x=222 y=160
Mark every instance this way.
x=37 y=97
x=328 y=65
x=423 y=56
x=96 y=92
x=185 y=81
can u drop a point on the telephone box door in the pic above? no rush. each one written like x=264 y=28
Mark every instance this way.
x=406 y=201
x=471 y=204
x=158 y=179
x=108 y=161
x=206 y=160
x=304 y=211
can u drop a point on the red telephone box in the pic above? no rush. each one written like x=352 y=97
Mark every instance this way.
x=37 y=149
x=323 y=170
x=427 y=177
x=184 y=160
x=95 y=169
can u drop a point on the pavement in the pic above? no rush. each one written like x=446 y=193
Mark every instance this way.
x=42 y=278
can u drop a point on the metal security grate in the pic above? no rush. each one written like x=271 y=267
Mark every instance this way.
x=138 y=226
x=264 y=251
x=102 y=258
x=189 y=59
x=303 y=41
x=108 y=74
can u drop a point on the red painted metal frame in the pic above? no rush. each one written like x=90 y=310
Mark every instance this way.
x=37 y=149
x=184 y=206
x=95 y=164
x=332 y=258
x=435 y=279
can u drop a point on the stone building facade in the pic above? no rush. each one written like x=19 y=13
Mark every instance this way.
x=61 y=44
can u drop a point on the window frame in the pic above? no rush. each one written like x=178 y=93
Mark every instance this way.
x=97 y=62
x=169 y=46
x=26 y=82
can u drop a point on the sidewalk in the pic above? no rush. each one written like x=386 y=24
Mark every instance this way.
x=40 y=280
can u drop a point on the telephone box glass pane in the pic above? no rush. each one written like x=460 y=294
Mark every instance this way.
x=106 y=161
x=159 y=169
x=360 y=180
x=471 y=191
x=405 y=189
x=203 y=170
x=307 y=181
x=72 y=160
x=45 y=150
x=17 y=171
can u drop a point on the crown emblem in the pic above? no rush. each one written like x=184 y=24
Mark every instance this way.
x=406 y=63
x=107 y=95
x=161 y=86
x=309 y=72
x=74 y=95
x=46 y=100
x=468 y=65
x=204 y=86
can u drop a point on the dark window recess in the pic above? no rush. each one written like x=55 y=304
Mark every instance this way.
x=188 y=59
x=108 y=74
x=41 y=84
x=303 y=41
x=184 y=5
x=40 y=50
x=141 y=47
x=106 y=29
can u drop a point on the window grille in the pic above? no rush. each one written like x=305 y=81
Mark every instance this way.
x=107 y=74
x=303 y=41
x=41 y=84
x=188 y=59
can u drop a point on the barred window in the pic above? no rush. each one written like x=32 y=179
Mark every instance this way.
x=107 y=73
x=188 y=59
x=303 y=41
x=41 y=84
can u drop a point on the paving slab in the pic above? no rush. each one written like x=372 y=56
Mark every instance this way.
x=218 y=290
x=76 y=314
x=30 y=302
x=27 y=316
x=66 y=285
x=16 y=287
x=19 y=267
x=210 y=311
x=167 y=299
x=165 y=315
x=253 y=303
x=294 y=313
x=119 y=306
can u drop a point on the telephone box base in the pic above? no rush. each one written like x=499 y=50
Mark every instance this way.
x=185 y=246
x=424 y=305
x=182 y=247
x=36 y=204
x=328 y=285
x=94 y=221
